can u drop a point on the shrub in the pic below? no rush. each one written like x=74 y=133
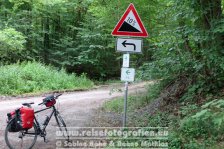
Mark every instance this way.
x=29 y=77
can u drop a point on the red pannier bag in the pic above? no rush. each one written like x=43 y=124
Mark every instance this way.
x=13 y=125
x=23 y=118
x=49 y=101
x=27 y=117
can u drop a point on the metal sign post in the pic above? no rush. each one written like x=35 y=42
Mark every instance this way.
x=130 y=24
x=127 y=75
x=125 y=105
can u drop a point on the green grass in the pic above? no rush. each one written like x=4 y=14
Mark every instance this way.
x=134 y=102
x=107 y=82
x=34 y=77
x=193 y=126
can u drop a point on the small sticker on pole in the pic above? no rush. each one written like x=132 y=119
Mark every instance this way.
x=126 y=60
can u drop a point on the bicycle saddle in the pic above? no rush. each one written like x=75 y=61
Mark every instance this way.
x=27 y=104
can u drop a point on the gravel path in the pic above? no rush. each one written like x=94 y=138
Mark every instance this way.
x=76 y=109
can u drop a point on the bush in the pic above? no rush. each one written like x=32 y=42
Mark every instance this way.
x=30 y=77
x=208 y=122
x=201 y=129
x=12 y=45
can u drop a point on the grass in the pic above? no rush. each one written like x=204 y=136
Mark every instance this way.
x=34 y=77
x=134 y=102
x=107 y=82
x=193 y=126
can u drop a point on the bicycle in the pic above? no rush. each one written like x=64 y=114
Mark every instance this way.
x=27 y=138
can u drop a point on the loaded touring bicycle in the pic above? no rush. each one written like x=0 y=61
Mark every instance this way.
x=23 y=127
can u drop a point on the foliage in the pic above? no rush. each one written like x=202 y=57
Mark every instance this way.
x=189 y=42
x=75 y=35
x=186 y=40
x=11 y=45
x=63 y=33
x=32 y=77
x=191 y=126
x=208 y=121
x=94 y=53
x=134 y=102
x=206 y=124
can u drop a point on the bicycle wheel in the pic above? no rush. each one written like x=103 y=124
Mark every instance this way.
x=24 y=139
x=62 y=126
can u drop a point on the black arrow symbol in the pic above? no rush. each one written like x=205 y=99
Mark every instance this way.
x=128 y=72
x=124 y=44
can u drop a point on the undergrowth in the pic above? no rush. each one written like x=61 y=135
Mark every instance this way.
x=33 y=77
x=133 y=102
x=191 y=126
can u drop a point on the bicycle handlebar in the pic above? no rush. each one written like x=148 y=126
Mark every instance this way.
x=40 y=103
x=55 y=97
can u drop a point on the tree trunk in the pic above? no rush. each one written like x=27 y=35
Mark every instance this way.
x=212 y=10
x=46 y=40
x=29 y=44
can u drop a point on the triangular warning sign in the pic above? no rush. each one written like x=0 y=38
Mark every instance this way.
x=130 y=24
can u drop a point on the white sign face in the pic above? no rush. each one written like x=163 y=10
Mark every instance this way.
x=131 y=20
x=126 y=60
x=129 y=45
x=127 y=74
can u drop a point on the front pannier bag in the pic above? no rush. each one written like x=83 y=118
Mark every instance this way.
x=22 y=119
x=49 y=101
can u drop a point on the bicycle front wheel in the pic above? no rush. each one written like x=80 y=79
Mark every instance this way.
x=62 y=126
x=24 y=139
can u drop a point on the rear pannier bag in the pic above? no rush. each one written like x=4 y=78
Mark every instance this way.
x=13 y=127
x=27 y=117
x=22 y=119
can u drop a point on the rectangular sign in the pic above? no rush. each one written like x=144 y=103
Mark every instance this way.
x=127 y=74
x=129 y=45
x=126 y=60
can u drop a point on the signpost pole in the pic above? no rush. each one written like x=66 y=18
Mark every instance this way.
x=130 y=24
x=125 y=105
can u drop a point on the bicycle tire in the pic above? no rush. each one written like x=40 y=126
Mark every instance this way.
x=62 y=125
x=15 y=140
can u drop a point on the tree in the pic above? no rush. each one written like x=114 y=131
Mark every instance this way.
x=11 y=45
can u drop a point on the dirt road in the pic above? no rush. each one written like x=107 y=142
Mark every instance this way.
x=76 y=109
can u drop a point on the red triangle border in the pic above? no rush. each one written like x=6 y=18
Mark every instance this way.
x=144 y=32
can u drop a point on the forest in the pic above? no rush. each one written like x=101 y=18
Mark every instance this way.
x=184 y=50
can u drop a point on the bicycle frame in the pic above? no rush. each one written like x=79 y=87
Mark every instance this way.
x=39 y=130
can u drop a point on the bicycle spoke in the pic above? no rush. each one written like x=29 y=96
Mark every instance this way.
x=21 y=139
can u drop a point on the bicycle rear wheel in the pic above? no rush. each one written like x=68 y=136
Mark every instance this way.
x=62 y=126
x=24 y=139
